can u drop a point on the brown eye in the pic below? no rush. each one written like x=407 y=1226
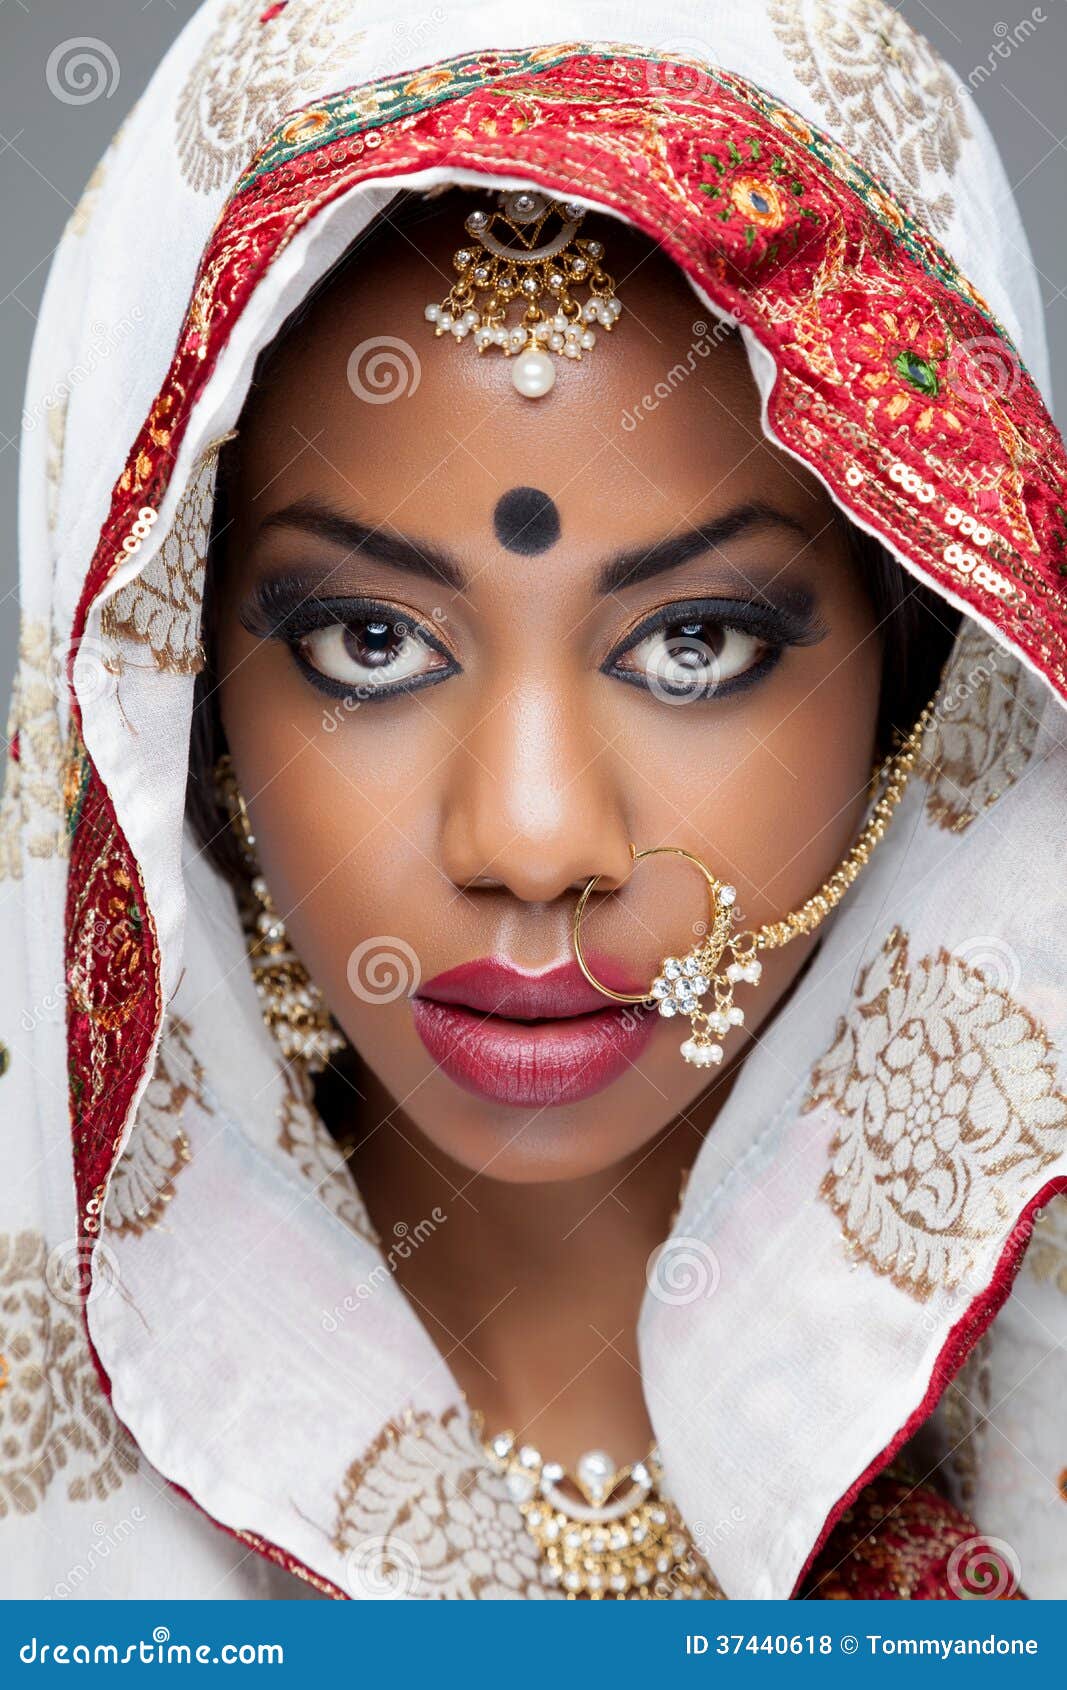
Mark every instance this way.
x=369 y=652
x=693 y=659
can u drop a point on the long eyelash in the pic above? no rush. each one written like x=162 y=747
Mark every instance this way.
x=777 y=625
x=284 y=608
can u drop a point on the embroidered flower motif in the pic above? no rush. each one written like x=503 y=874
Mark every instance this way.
x=425 y=1483
x=53 y=1416
x=32 y=821
x=949 y=1105
x=984 y=732
x=158 y=1150
x=253 y=69
x=895 y=357
x=161 y=606
x=898 y=110
x=757 y=193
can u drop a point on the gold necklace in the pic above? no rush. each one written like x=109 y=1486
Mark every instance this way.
x=620 y=1538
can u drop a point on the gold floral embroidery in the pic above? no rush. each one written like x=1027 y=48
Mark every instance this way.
x=1046 y=1255
x=304 y=1136
x=32 y=820
x=983 y=734
x=158 y=1150
x=253 y=69
x=896 y=109
x=423 y=1500
x=53 y=1416
x=947 y=1094
x=161 y=606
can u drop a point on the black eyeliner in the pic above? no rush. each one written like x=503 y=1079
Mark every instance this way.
x=285 y=608
x=793 y=623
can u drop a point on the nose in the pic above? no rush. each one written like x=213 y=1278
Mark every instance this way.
x=533 y=802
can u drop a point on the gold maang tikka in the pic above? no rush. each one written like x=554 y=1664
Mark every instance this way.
x=516 y=282
x=724 y=959
x=293 y=1008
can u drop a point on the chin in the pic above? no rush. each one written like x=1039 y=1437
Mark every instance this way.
x=535 y=1147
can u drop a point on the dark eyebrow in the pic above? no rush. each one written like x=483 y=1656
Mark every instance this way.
x=629 y=568
x=415 y=556
x=626 y=569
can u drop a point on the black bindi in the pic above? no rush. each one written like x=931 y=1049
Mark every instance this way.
x=526 y=521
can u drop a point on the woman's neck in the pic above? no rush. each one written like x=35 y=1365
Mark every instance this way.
x=531 y=1291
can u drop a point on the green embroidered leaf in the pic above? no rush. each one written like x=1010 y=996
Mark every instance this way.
x=750 y=234
x=735 y=156
x=754 y=146
x=919 y=372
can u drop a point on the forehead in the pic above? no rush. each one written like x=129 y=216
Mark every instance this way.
x=362 y=404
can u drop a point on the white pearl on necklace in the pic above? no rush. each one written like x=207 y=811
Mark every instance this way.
x=534 y=374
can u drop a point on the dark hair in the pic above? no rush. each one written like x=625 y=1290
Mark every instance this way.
x=915 y=626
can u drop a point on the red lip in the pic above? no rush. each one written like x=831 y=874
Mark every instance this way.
x=530 y=1039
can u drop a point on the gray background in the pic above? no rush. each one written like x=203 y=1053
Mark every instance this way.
x=47 y=150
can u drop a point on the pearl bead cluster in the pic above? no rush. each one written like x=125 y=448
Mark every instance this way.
x=683 y=981
x=528 y=275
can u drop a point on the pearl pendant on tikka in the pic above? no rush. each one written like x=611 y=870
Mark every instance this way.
x=529 y=257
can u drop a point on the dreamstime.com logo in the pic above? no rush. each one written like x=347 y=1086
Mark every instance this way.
x=983 y=1569
x=382 y=369
x=383 y=1569
x=684 y=1270
x=382 y=969
x=159 y=1650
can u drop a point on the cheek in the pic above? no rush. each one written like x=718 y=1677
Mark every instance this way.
x=771 y=786
x=338 y=801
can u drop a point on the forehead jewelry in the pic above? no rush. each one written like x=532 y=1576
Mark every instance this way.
x=724 y=959
x=516 y=283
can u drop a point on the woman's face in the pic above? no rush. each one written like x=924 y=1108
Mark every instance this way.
x=473 y=645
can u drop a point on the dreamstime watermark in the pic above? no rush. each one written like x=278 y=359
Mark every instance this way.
x=982 y=369
x=963 y=686
x=82 y=69
x=981 y=964
x=384 y=368
x=104 y=340
x=682 y=68
x=106 y=1539
x=383 y=1569
x=686 y=670
x=96 y=665
x=407 y=1239
x=66 y=1272
x=683 y=1270
x=383 y=969
x=1008 y=38
x=412 y=32
x=984 y=1569
x=702 y=345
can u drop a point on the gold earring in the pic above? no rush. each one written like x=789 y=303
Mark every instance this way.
x=293 y=1008
x=683 y=982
